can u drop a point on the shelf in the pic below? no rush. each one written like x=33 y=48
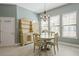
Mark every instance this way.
x=24 y=29
x=25 y=24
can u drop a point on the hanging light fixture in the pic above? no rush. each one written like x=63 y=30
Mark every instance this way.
x=45 y=17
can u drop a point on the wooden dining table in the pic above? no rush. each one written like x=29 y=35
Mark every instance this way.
x=44 y=40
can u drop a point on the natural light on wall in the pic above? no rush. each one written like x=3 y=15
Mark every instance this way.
x=69 y=25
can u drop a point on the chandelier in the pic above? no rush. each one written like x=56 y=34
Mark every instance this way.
x=45 y=16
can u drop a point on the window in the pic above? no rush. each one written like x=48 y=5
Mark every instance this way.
x=69 y=25
x=55 y=23
x=44 y=25
x=44 y=28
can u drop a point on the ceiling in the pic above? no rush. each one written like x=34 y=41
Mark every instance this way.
x=40 y=7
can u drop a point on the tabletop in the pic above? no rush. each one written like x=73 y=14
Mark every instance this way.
x=46 y=38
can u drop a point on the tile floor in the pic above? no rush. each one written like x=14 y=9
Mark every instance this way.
x=64 y=50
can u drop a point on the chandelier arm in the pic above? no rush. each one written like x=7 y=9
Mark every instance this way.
x=45 y=16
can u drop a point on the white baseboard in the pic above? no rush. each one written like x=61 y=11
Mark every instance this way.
x=69 y=44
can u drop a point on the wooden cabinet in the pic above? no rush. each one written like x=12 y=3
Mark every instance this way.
x=25 y=29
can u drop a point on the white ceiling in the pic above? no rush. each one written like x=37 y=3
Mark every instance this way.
x=39 y=7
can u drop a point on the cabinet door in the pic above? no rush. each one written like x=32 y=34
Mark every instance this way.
x=7 y=31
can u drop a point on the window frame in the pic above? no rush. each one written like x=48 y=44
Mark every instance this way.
x=71 y=24
x=55 y=25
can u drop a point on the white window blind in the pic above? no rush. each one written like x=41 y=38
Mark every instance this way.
x=44 y=28
x=55 y=23
x=69 y=25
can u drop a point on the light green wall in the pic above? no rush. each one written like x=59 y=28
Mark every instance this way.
x=7 y=10
x=24 y=13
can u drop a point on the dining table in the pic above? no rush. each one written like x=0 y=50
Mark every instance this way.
x=44 y=41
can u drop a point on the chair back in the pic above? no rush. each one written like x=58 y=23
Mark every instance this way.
x=36 y=39
x=56 y=38
x=52 y=34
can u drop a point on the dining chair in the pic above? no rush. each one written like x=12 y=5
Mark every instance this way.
x=52 y=33
x=54 y=42
x=37 y=42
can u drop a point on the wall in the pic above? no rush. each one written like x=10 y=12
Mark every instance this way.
x=66 y=9
x=7 y=10
x=24 y=13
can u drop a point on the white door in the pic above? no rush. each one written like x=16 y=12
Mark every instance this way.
x=7 y=28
